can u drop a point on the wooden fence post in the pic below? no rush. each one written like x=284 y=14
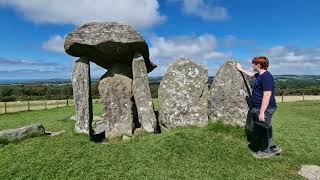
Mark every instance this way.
x=67 y=102
x=28 y=105
x=282 y=96
x=5 y=107
x=45 y=105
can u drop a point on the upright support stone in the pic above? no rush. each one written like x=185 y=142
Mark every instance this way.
x=117 y=102
x=183 y=95
x=142 y=95
x=229 y=96
x=81 y=83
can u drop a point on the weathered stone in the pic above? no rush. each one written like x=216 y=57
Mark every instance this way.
x=20 y=133
x=142 y=95
x=183 y=94
x=117 y=102
x=58 y=133
x=107 y=43
x=94 y=119
x=81 y=84
x=138 y=131
x=100 y=128
x=125 y=138
x=310 y=172
x=229 y=96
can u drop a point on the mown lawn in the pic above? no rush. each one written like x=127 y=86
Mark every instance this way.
x=213 y=152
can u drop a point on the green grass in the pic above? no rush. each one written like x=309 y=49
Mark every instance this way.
x=213 y=152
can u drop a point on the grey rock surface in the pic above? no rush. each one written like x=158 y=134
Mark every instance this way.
x=116 y=97
x=81 y=84
x=100 y=127
x=94 y=119
x=19 y=133
x=58 y=133
x=183 y=95
x=107 y=43
x=310 y=172
x=142 y=95
x=229 y=96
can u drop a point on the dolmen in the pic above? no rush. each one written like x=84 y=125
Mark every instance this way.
x=124 y=88
x=183 y=95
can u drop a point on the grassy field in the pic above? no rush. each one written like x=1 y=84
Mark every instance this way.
x=213 y=152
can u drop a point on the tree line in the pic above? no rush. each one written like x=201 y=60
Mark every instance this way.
x=24 y=92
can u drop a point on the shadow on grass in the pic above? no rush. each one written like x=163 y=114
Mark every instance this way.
x=252 y=134
x=98 y=137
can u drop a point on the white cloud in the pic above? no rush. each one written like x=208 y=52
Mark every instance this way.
x=293 y=60
x=230 y=41
x=139 y=13
x=201 y=49
x=54 y=44
x=203 y=8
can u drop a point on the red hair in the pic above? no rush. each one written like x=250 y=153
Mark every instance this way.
x=262 y=60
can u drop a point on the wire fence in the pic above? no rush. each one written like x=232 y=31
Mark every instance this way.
x=18 y=106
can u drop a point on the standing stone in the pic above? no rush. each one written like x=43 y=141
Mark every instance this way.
x=116 y=96
x=183 y=95
x=142 y=95
x=82 y=96
x=229 y=96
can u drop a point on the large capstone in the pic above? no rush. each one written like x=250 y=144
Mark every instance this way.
x=107 y=44
x=229 y=96
x=117 y=102
x=183 y=95
x=142 y=95
x=81 y=84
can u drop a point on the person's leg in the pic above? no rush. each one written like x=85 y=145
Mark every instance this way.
x=257 y=131
x=272 y=146
x=268 y=148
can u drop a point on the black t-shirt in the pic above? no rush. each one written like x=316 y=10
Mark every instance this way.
x=263 y=82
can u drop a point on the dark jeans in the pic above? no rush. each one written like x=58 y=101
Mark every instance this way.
x=263 y=130
x=267 y=114
x=259 y=133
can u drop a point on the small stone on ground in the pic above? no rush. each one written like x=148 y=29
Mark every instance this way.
x=311 y=172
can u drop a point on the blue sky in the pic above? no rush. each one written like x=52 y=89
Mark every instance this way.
x=209 y=32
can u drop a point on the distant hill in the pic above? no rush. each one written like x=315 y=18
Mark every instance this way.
x=152 y=80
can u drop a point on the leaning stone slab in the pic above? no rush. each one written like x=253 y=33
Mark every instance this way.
x=20 y=133
x=310 y=172
x=107 y=43
x=229 y=96
x=116 y=97
x=142 y=95
x=183 y=95
x=81 y=84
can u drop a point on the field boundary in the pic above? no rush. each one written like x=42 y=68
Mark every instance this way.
x=19 y=106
